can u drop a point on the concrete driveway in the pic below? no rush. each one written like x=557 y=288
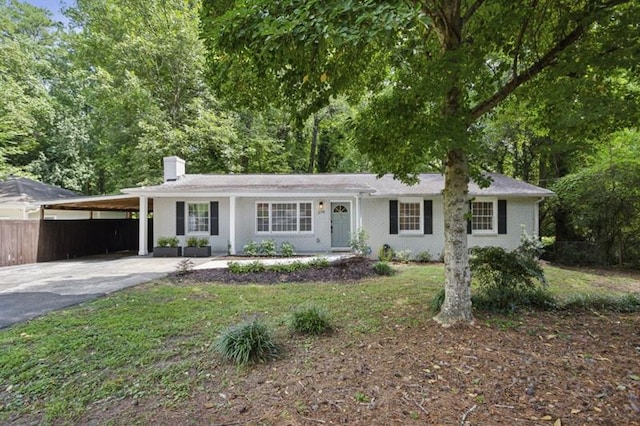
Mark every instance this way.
x=27 y=291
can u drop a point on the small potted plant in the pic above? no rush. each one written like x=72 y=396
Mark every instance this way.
x=167 y=247
x=197 y=247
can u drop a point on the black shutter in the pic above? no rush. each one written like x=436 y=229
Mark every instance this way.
x=502 y=216
x=179 y=217
x=428 y=216
x=393 y=216
x=214 y=222
x=469 y=230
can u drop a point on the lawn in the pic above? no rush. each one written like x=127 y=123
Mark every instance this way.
x=145 y=355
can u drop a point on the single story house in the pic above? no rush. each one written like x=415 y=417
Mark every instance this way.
x=320 y=212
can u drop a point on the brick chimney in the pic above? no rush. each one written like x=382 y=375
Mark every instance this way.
x=173 y=168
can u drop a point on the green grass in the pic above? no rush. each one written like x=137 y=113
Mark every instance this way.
x=565 y=283
x=157 y=340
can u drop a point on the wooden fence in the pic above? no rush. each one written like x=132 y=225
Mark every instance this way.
x=28 y=241
x=19 y=241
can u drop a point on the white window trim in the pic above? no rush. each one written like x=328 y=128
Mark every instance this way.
x=269 y=216
x=186 y=218
x=494 y=221
x=412 y=200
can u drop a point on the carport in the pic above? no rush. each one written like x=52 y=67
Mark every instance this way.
x=140 y=206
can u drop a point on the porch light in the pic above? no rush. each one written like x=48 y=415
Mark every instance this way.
x=321 y=207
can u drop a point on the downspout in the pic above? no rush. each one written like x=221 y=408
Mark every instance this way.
x=358 y=211
x=536 y=218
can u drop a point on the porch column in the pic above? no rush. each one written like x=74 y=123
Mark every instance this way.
x=358 y=212
x=232 y=224
x=143 y=230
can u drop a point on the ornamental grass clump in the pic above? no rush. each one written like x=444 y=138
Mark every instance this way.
x=383 y=268
x=249 y=342
x=310 y=320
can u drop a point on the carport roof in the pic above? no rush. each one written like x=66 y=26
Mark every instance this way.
x=122 y=202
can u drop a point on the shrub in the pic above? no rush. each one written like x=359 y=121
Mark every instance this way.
x=423 y=257
x=168 y=242
x=385 y=254
x=243 y=268
x=510 y=299
x=507 y=280
x=251 y=248
x=530 y=245
x=319 y=262
x=403 y=256
x=257 y=266
x=288 y=267
x=247 y=343
x=310 y=319
x=358 y=243
x=197 y=242
x=287 y=249
x=267 y=248
x=383 y=268
x=184 y=267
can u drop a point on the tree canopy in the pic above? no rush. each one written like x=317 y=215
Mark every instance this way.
x=429 y=71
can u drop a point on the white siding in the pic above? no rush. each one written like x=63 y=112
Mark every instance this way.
x=164 y=221
x=375 y=220
x=376 y=223
x=319 y=241
x=520 y=213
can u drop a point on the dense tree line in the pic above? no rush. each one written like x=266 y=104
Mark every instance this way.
x=96 y=106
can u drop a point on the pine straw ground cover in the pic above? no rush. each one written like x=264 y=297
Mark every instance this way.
x=387 y=363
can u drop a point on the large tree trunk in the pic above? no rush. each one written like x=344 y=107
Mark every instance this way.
x=457 y=302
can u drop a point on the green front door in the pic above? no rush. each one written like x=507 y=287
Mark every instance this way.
x=340 y=225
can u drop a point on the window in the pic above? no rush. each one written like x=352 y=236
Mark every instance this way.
x=284 y=217
x=198 y=218
x=410 y=215
x=483 y=216
x=262 y=217
x=290 y=217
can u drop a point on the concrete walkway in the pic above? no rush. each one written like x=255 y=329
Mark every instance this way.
x=28 y=291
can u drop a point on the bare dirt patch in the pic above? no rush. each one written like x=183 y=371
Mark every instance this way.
x=540 y=368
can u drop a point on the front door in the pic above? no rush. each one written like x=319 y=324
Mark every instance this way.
x=340 y=225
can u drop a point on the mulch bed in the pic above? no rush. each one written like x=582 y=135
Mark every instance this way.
x=347 y=269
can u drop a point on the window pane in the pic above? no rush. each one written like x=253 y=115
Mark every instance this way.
x=284 y=217
x=305 y=217
x=198 y=217
x=409 y=216
x=482 y=216
x=262 y=217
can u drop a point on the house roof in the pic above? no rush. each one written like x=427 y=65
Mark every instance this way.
x=20 y=190
x=309 y=184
